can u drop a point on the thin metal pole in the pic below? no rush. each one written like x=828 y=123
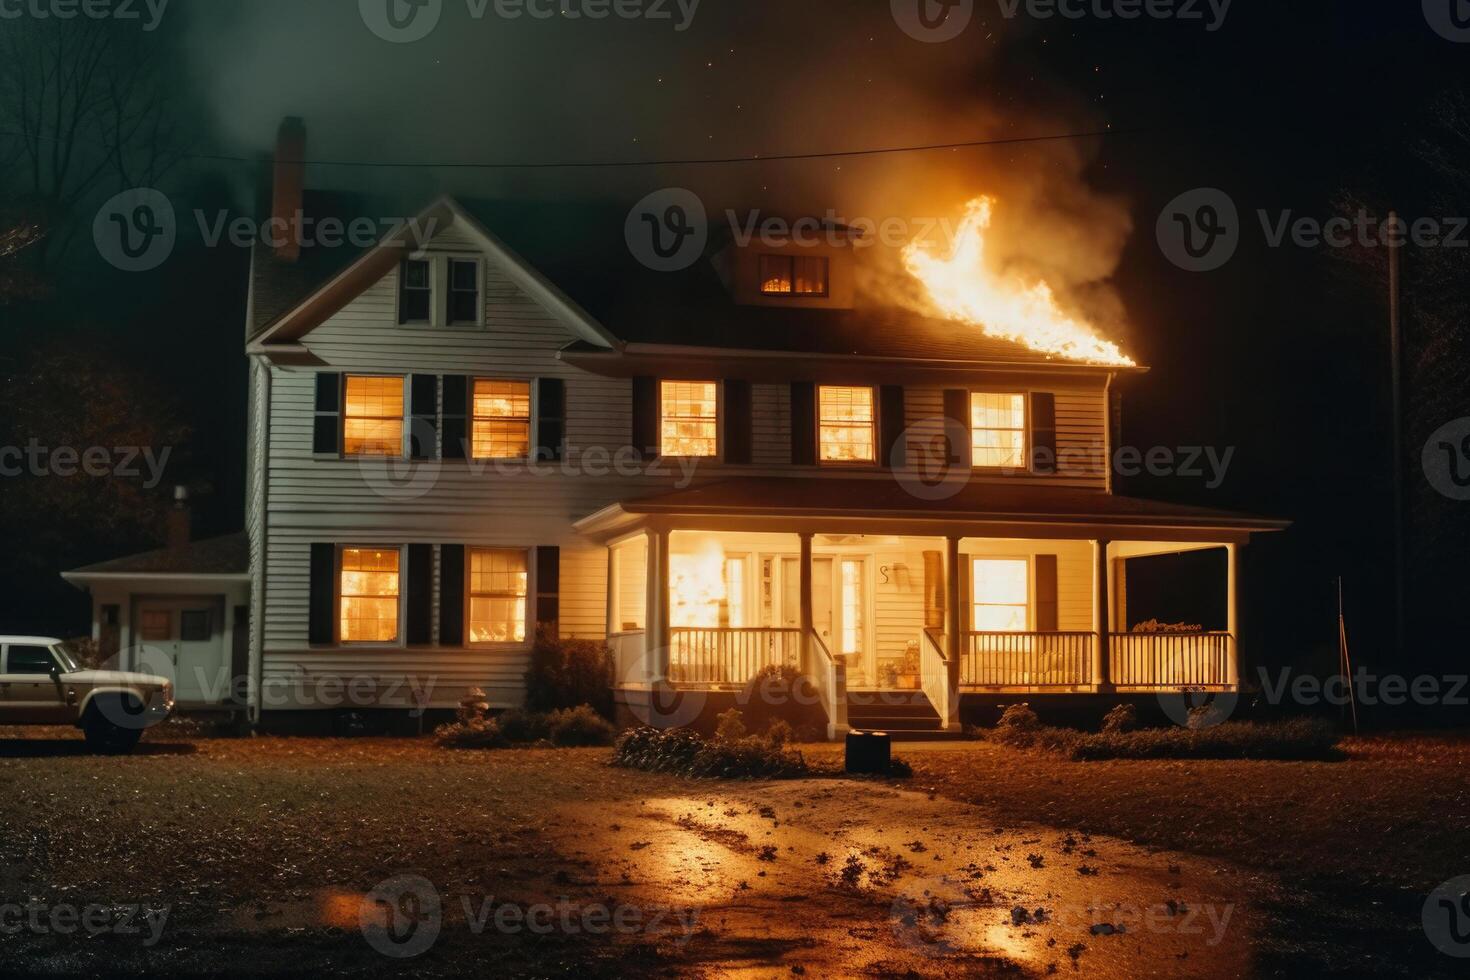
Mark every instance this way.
x=1395 y=354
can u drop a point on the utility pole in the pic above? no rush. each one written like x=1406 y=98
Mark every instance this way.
x=1395 y=355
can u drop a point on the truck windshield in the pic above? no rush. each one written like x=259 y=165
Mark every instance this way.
x=64 y=658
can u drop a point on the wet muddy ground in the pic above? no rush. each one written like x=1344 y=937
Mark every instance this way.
x=324 y=857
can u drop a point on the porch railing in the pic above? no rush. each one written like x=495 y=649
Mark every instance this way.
x=1029 y=660
x=700 y=655
x=1170 y=660
x=829 y=673
x=934 y=677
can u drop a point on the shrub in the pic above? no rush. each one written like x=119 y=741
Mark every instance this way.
x=565 y=674
x=523 y=726
x=780 y=732
x=483 y=733
x=781 y=693
x=731 y=727
x=1019 y=716
x=1123 y=718
x=1203 y=716
x=580 y=726
x=1300 y=739
x=685 y=752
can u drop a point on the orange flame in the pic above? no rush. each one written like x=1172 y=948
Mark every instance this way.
x=963 y=287
x=697 y=586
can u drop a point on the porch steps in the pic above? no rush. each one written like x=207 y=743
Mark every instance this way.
x=905 y=715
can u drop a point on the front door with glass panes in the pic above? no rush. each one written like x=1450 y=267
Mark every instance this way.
x=183 y=640
x=839 y=606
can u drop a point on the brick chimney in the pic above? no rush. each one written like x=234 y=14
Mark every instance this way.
x=288 y=184
x=179 y=529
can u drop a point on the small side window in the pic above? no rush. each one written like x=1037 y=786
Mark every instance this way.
x=194 y=626
x=415 y=291
x=464 y=291
x=29 y=660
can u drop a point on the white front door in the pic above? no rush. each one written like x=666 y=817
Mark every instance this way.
x=184 y=640
x=839 y=609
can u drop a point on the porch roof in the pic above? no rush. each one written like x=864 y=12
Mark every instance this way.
x=889 y=505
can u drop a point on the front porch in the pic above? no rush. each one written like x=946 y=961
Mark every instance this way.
x=875 y=618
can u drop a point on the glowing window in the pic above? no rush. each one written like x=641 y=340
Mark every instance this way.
x=369 y=586
x=372 y=421
x=998 y=429
x=793 y=275
x=735 y=591
x=502 y=419
x=1000 y=594
x=689 y=418
x=852 y=607
x=847 y=425
x=497 y=596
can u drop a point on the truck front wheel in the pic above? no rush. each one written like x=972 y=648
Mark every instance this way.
x=106 y=736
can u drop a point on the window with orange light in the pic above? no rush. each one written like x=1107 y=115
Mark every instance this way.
x=793 y=275
x=847 y=424
x=369 y=595
x=502 y=428
x=689 y=418
x=498 y=595
x=998 y=430
x=1000 y=595
x=372 y=417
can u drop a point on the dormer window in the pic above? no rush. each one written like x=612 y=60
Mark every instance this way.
x=793 y=275
x=464 y=291
x=415 y=291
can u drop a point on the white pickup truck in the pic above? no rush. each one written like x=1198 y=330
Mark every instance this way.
x=41 y=683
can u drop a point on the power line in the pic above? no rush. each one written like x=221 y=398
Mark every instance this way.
x=676 y=162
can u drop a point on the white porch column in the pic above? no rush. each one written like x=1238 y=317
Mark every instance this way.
x=808 y=615
x=954 y=642
x=656 y=637
x=1101 y=610
x=1232 y=613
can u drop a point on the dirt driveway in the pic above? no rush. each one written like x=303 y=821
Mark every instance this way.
x=328 y=857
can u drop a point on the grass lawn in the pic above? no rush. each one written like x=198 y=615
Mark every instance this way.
x=263 y=849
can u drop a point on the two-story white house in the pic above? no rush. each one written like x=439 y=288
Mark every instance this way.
x=493 y=421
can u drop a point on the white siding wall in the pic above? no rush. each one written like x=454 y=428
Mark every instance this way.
x=331 y=500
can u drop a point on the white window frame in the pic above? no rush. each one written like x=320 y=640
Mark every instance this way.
x=873 y=425
x=1030 y=588
x=439 y=290
x=719 y=453
x=531 y=410
x=1025 y=396
x=530 y=625
x=398 y=642
x=403 y=440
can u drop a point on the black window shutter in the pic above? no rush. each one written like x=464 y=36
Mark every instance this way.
x=1048 y=617
x=803 y=423
x=548 y=590
x=423 y=425
x=326 y=433
x=738 y=422
x=645 y=416
x=323 y=598
x=957 y=426
x=456 y=416
x=551 y=419
x=451 y=595
x=420 y=585
x=1043 y=432
x=891 y=424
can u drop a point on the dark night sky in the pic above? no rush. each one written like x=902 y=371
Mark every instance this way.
x=1279 y=354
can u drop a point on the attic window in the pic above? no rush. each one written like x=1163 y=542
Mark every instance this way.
x=415 y=291
x=464 y=291
x=793 y=275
